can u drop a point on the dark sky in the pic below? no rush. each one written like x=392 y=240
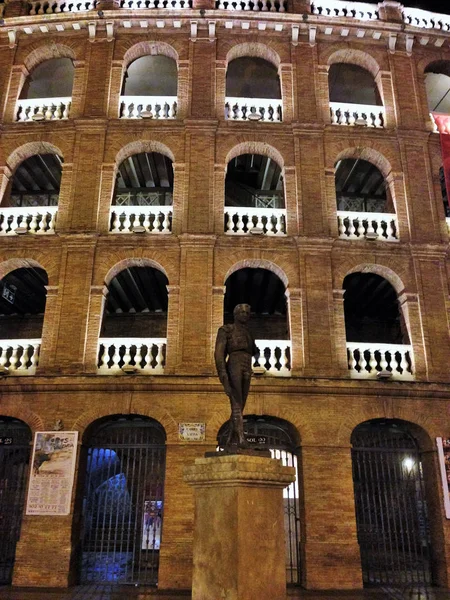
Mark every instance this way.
x=441 y=6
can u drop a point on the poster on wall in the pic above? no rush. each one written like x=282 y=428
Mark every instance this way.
x=52 y=473
x=443 y=445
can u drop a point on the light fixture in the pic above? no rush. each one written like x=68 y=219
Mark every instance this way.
x=256 y=230
x=130 y=369
x=21 y=230
x=138 y=229
x=372 y=236
x=408 y=464
x=384 y=374
x=4 y=371
x=259 y=371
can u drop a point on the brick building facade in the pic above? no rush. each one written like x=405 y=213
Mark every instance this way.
x=317 y=380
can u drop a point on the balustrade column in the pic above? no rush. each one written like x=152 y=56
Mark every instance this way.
x=183 y=90
x=221 y=79
x=340 y=338
x=117 y=73
x=295 y=311
x=107 y=182
x=384 y=83
x=411 y=312
x=97 y=301
x=287 y=91
x=290 y=199
x=50 y=327
x=173 y=329
x=179 y=219
x=19 y=73
x=396 y=183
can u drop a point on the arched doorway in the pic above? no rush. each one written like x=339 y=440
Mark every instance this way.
x=391 y=508
x=15 y=438
x=282 y=439
x=123 y=500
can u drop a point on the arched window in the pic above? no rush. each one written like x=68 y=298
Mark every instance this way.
x=437 y=83
x=253 y=90
x=124 y=467
x=14 y=464
x=265 y=293
x=354 y=96
x=47 y=92
x=364 y=202
x=143 y=195
x=134 y=331
x=254 y=196
x=377 y=336
x=283 y=441
x=444 y=192
x=149 y=88
x=391 y=506
x=30 y=202
x=22 y=307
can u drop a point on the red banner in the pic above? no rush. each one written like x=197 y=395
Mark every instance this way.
x=443 y=125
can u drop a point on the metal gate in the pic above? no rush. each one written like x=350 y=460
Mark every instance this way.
x=391 y=510
x=282 y=440
x=123 y=501
x=15 y=438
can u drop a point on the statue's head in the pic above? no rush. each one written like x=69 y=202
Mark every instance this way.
x=241 y=313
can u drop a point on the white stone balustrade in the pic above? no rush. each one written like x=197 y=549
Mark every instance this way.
x=364 y=115
x=357 y=225
x=245 y=221
x=20 y=357
x=155 y=219
x=274 y=356
x=254 y=5
x=426 y=19
x=170 y=4
x=50 y=7
x=363 y=11
x=148 y=107
x=36 y=219
x=145 y=355
x=366 y=360
x=43 y=109
x=254 y=109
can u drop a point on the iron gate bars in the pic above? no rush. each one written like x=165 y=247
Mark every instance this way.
x=123 y=502
x=15 y=438
x=391 y=510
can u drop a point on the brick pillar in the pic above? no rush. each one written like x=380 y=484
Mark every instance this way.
x=183 y=89
x=115 y=86
x=221 y=79
x=5 y=179
x=423 y=98
x=385 y=87
x=65 y=193
x=200 y=142
x=331 y=201
x=218 y=295
x=302 y=7
x=203 y=53
x=173 y=329
x=391 y=11
x=219 y=197
x=14 y=8
x=329 y=545
x=18 y=75
x=340 y=337
x=311 y=90
x=396 y=183
x=107 y=183
x=97 y=301
x=6 y=64
x=409 y=112
x=309 y=154
x=290 y=197
x=49 y=329
x=323 y=95
x=179 y=198
x=99 y=59
x=409 y=306
x=78 y=89
x=295 y=311
x=287 y=91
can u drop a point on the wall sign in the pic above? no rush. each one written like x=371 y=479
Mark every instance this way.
x=443 y=445
x=52 y=473
x=191 y=432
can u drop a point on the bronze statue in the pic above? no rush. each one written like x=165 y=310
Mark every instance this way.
x=235 y=348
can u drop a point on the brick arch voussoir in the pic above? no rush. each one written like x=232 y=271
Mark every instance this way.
x=392 y=276
x=255 y=263
x=40 y=260
x=120 y=406
x=112 y=264
x=427 y=61
x=134 y=51
x=147 y=409
x=16 y=410
x=255 y=49
x=252 y=146
x=366 y=152
x=215 y=422
x=39 y=52
x=139 y=145
x=353 y=56
x=29 y=149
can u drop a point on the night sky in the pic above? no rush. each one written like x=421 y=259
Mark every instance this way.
x=441 y=6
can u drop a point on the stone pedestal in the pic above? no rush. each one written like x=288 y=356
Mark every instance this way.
x=239 y=538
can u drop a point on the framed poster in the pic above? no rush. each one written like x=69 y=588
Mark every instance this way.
x=443 y=445
x=52 y=473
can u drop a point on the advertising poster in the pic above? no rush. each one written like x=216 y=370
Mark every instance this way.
x=443 y=445
x=52 y=473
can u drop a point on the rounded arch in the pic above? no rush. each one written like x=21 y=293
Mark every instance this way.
x=47 y=52
x=132 y=262
x=139 y=146
x=112 y=418
x=382 y=271
x=148 y=47
x=370 y=155
x=31 y=149
x=23 y=413
x=260 y=263
x=254 y=147
x=355 y=57
x=13 y=264
x=255 y=49
x=441 y=67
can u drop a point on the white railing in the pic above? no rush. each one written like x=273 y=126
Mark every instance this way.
x=144 y=355
x=255 y=5
x=43 y=109
x=366 y=361
x=358 y=225
x=274 y=356
x=20 y=357
x=426 y=19
x=171 y=4
x=362 y=11
x=245 y=221
x=148 y=107
x=254 y=109
x=365 y=115
x=31 y=219
x=49 y=7
x=154 y=219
